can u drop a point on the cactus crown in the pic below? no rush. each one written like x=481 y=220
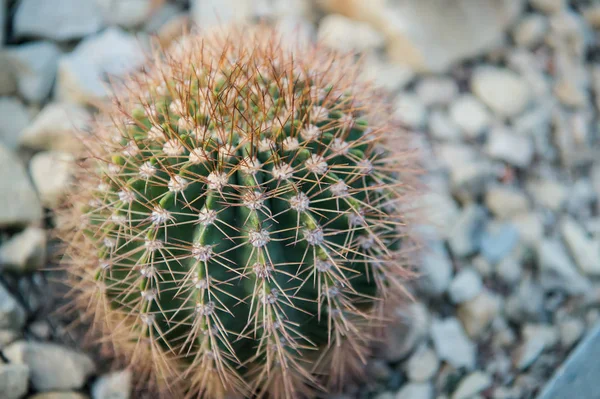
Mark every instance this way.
x=236 y=226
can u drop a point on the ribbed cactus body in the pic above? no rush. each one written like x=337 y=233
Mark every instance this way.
x=240 y=223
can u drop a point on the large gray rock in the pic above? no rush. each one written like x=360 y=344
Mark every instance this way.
x=501 y=89
x=12 y=314
x=56 y=127
x=24 y=251
x=126 y=13
x=19 y=204
x=82 y=73
x=57 y=19
x=214 y=13
x=53 y=367
x=36 y=69
x=13 y=380
x=580 y=373
x=116 y=385
x=15 y=118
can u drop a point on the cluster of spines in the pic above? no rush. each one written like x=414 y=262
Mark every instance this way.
x=241 y=226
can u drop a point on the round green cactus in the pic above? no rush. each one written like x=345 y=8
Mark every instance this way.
x=238 y=223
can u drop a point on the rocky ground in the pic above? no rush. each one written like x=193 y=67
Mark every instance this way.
x=504 y=97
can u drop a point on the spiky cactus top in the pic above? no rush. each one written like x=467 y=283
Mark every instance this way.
x=237 y=223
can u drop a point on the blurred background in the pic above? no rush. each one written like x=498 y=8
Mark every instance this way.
x=503 y=97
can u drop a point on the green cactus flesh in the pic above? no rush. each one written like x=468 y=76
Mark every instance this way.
x=244 y=214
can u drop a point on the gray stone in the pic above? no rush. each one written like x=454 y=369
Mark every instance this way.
x=505 y=201
x=37 y=63
x=498 y=240
x=465 y=237
x=422 y=364
x=51 y=172
x=7 y=337
x=58 y=395
x=530 y=227
x=116 y=385
x=12 y=313
x=56 y=127
x=452 y=344
x=436 y=90
x=584 y=249
x=24 y=251
x=465 y=286
x=13 y=380
x=408 y=327
x=81 y=74
x=410 y=111
x=8 y=72
x=531 y=30
x=571 y=330
x=511 y=148
x=477 y=313
x=557 y=271
x=548 y=6
x=15 y=118
x=344 y=34
x=548 y=193
x=527 y=303
x=386 y=75
x=436 y=269
x=472 y=384
x=126 y=13
x=509 y=270
x=537 y=338
x=416 y=391
x=214 y=13
x=579 y=373
x=19 y=204
x=442 y=127
x=470 y=115
x=57 y=19
x=501 y=89
x=53 y=367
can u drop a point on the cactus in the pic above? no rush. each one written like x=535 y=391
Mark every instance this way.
x=240 y=219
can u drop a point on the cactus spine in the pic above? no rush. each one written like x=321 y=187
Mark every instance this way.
x=237 y=225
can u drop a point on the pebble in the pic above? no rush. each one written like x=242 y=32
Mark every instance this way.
x=344 y=34
x=116 y=385
x=386 y=75
x=466 y=285
x=19 y=204
x=56 y=128
x=37 y=63
x=51 y=174
x=472 y=385
x=7 y=337
x=470 y=115
x=557 y=271
x=516 y=150
x=584 y=250
x=410 y=111
x=469 y=179
x=548 y=193
x=501 y=89
x=548 y=6
x=506 y=201
x=58 y=395
x=592 y=15
x=436 y=269
x=570 y=331
x=436 y=90
x=13 y=380
x=526 y=303
x=465 y=237
x=416 y=391
x=498 y=240
x=81 y=73
x=15 y=118
x=208 y=14
x=531 y=30
x=476 y=314
x=58 y=20
x=53 y=367
x=442 y=127
x=407 y=329
x=442 y=211
x=8 y=72
x=126 y=13
x=12 y=313
x=25 y=251
x=422 y=365
x=452 y=344
x=509 y=270
x=530 y=227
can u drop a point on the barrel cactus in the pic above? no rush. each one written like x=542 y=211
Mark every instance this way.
x=241 y=218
